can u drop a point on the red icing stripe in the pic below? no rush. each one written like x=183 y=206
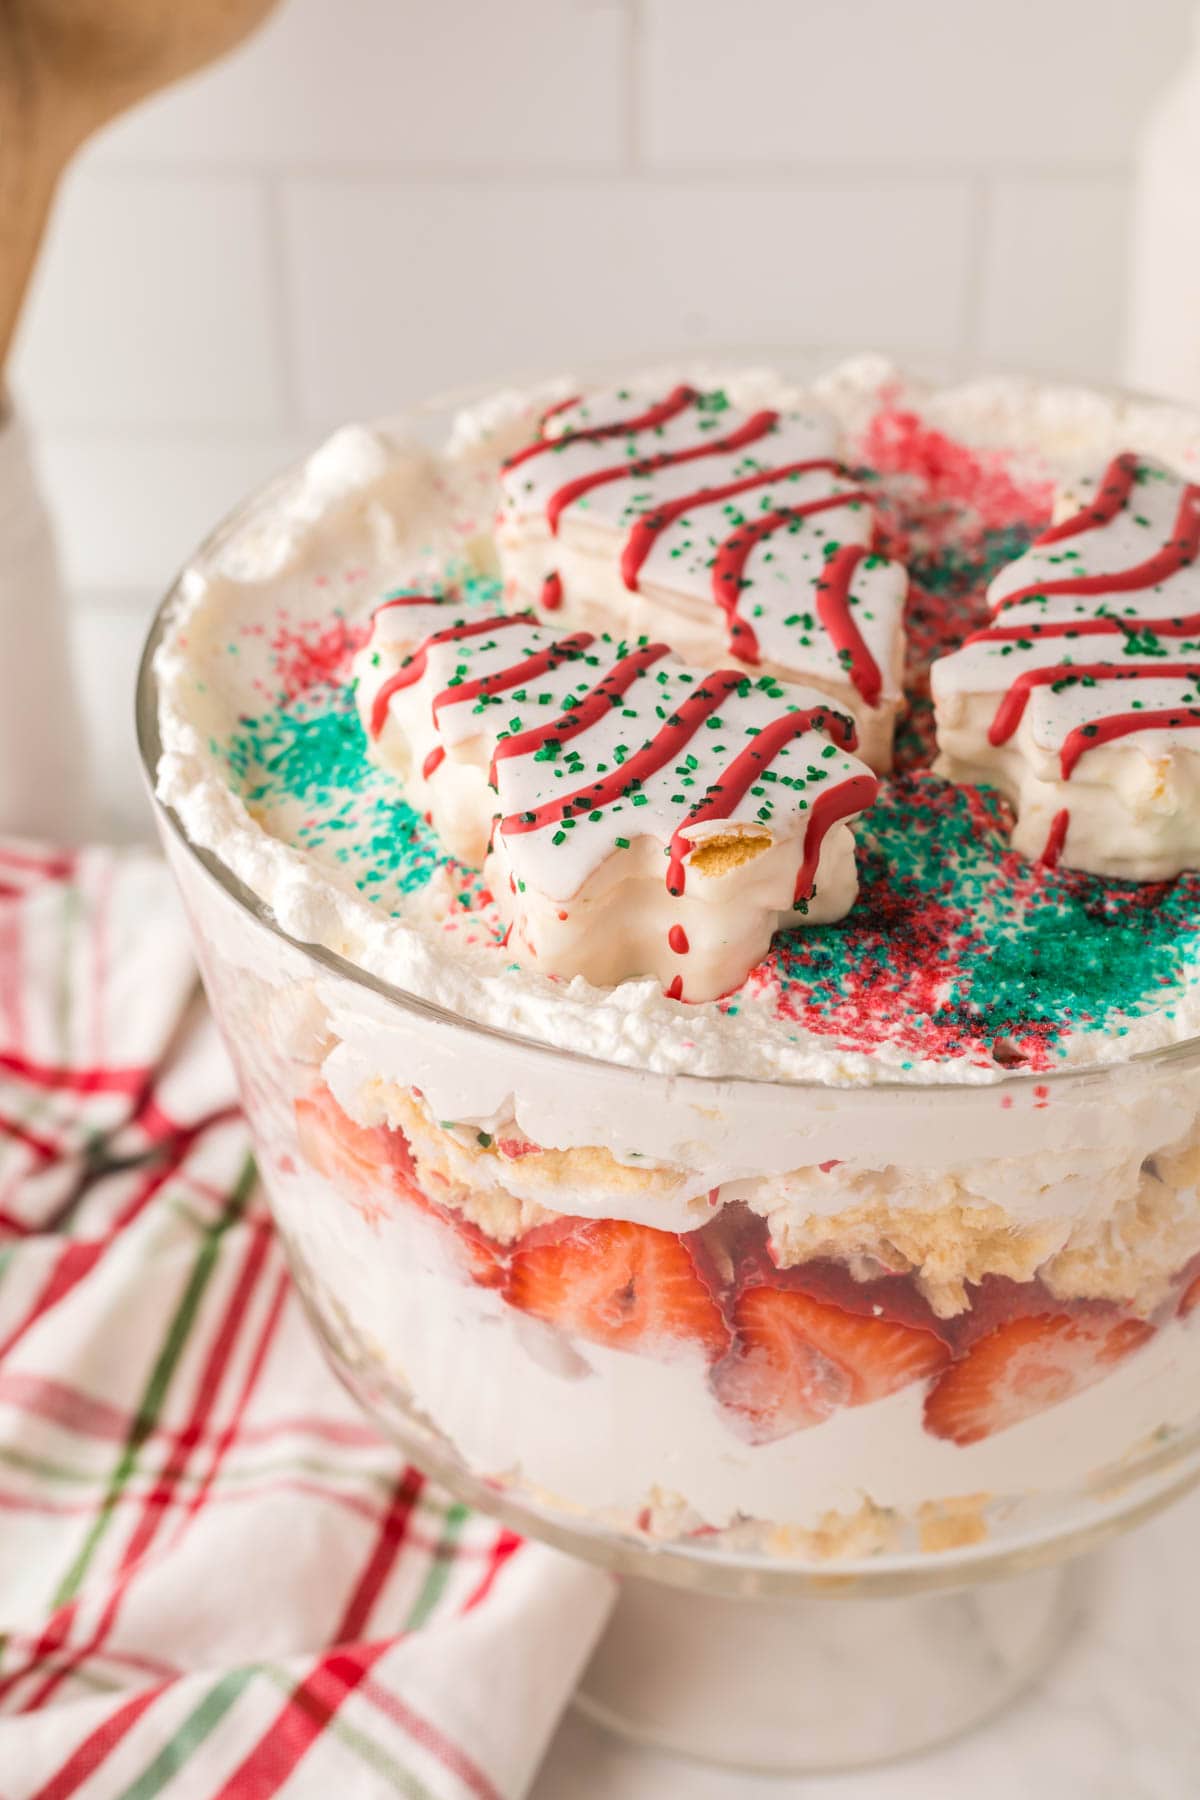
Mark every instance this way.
x=1056 y=837
x=833 y=610
x=552 y=592
x=1176 y=554
x=677 y=939
x=594 y=704
x=398 y=600
x=675 y=991
x=676 y=402
x=734 y=783
x=1188 y=625
x=414 y=668
x=412 y=600
x=434 y=760
x=526 y=668
x=1011 y=709
x=641 y=539
x=1116 y=485
x=552 y=412
x=732 y=556
x=1103 y=731
x=757 y=426
x=851 y=796
x=667 y=742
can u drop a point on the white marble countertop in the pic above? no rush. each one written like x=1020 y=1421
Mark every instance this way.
x=1117 y=1717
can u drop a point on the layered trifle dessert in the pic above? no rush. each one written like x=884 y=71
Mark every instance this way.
x=700 y=896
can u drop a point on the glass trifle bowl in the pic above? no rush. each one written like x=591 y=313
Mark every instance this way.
x=837 y=1373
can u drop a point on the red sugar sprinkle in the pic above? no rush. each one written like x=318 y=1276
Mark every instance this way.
x=898 y=441
x=315 y=653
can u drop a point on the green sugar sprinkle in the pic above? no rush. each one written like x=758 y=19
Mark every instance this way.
x=303 y=770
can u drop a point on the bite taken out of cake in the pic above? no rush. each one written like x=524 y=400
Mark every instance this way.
x=633 y=816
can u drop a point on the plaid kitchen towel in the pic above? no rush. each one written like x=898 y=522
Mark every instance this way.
x=215 y=1578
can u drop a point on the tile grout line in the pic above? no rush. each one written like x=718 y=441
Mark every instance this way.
x=777 y=170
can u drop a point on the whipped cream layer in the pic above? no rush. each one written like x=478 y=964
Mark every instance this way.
x=960 y=961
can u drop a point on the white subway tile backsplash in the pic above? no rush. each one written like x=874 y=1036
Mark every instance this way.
x=400 y=82
x=377 y=198
x=1052 y=279
x=839 y=82
x=154 y=305
x=400 y=288
x=129 y=511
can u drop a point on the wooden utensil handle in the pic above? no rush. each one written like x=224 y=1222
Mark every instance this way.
x=67 y=66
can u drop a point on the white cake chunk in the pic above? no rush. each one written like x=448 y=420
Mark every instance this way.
x=634 y=816
x=1080 y=700
x=729 y=534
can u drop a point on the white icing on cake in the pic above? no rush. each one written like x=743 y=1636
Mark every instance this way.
x=638 y=817
x=727 y=532
x=1103 y=764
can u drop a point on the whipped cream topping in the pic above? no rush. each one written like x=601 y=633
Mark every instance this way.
x=264 y=760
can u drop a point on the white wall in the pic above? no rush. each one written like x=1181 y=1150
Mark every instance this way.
x=381 y=197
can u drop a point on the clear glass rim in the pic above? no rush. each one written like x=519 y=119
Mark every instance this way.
x=1075 y=1079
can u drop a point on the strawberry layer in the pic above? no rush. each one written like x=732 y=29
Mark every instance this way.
x=603 y=1324
x=583 y=1426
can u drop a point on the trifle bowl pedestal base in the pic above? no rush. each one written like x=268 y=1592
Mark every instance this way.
x=768 y=1669
x=801 y=1685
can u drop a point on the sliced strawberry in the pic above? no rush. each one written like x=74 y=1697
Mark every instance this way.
x=373 y=1165
x=998 y=1299
x=879 y=1354
x=369 y=1160
x=1026 y=1365
x=616 y=1283
x=893 y=1297
x=774 y=1380
x=796 y=1359
x=475 y=1252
